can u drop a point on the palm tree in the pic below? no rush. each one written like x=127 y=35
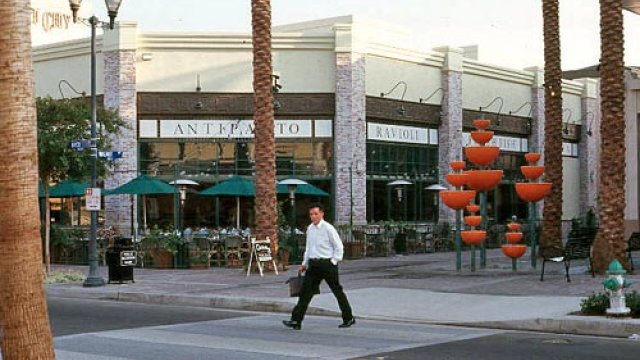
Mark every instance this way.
x=24 y=323
x=265 y=150
x=609 y=243
x=552 y=226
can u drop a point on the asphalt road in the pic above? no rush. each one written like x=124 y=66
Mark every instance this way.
x=200 y=333
x=517 y=345
x=75 y=316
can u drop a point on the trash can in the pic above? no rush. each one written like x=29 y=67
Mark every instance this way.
x=121 y=259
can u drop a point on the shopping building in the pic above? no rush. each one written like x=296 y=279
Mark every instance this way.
x=356 y=110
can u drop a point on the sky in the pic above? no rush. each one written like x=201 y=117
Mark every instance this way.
x=508 y=32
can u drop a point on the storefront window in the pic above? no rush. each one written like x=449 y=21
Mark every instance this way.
x=416 y=163
x=208 y=161
x=402 y=159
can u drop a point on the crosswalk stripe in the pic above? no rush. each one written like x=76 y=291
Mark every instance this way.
x=220 y=342
x=72 y=355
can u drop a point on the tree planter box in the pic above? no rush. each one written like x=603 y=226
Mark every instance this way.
x=353 y=250
x=162 y=259
x=199 y=266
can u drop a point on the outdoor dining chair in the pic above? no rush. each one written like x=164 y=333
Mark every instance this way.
x=233 y=249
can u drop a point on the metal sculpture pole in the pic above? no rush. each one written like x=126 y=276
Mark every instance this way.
x=458 y=241
x=534 y=240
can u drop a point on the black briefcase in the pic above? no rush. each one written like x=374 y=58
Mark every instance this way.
x=295 y=286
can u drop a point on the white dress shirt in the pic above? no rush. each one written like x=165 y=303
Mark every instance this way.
x=323 y=242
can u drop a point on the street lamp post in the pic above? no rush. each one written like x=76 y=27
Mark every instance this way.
x=292 y=184
x=399 y=185
x=436 y=188
x=94 y=279
x=181 y=185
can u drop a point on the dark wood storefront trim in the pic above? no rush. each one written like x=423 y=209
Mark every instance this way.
x=514 y=125
x=231 y=104
x=389 y=111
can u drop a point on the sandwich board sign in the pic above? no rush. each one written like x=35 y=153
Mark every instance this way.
x=261 y=254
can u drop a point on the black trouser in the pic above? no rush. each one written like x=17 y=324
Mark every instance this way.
x=317 y=271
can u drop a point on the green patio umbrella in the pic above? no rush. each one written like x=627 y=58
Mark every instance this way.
x=304 y=189
x=143 y=185
x=69 y=189
x=234 y=186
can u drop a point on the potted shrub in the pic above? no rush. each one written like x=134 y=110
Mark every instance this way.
x=156 y=243
x=199 y=262
x=61 y=241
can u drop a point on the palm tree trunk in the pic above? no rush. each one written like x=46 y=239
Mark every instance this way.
x=552 y=214
x=610 y=243
x=24 y=322
x=265 y=177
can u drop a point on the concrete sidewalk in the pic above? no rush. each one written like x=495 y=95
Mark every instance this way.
x=423 y=288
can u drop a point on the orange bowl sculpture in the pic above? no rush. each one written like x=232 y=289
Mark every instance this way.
x=514 y=251
x=481 y=124
x=513 y=226
x=457 y=165
x=533 y=192
x=532 y=172
x=481 y=155
x=482 y=137
x=473 y=208
x=473 y=220
x=513 y=237
x=532 y=157
x=473 y=237
x=457 y=199
x=483 y=180
x=457 y=179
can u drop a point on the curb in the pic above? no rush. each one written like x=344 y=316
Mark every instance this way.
x=576 y=325
x=593 y=326
x=220 y=302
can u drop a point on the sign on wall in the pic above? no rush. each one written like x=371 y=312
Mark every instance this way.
x=230 y=129
x=505 y=143
x=569 y=149
x=401 y=134
x=52 y=21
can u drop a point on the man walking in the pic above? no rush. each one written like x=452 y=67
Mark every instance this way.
x=323 y=252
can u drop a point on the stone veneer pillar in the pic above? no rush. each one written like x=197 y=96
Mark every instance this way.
x=536 y=135
x=588 y=148
x=119 y=52
x=450 y=130
x=350 y=131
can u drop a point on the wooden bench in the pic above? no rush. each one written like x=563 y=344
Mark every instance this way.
x=578 y=247
x=633 y=245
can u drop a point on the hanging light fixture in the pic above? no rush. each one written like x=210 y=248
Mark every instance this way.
x=112 y=9
x=400 y=110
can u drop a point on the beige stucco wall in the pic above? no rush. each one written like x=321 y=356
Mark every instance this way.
x=480 y=90
x=383 y=73
x=70 y=61
x=571 y=188
x=230 y=70
x=572 y=108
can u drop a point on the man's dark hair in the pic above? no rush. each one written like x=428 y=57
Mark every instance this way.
x=316 y=205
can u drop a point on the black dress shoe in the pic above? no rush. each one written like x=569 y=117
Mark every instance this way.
x=347 y=323
x=295 y=325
